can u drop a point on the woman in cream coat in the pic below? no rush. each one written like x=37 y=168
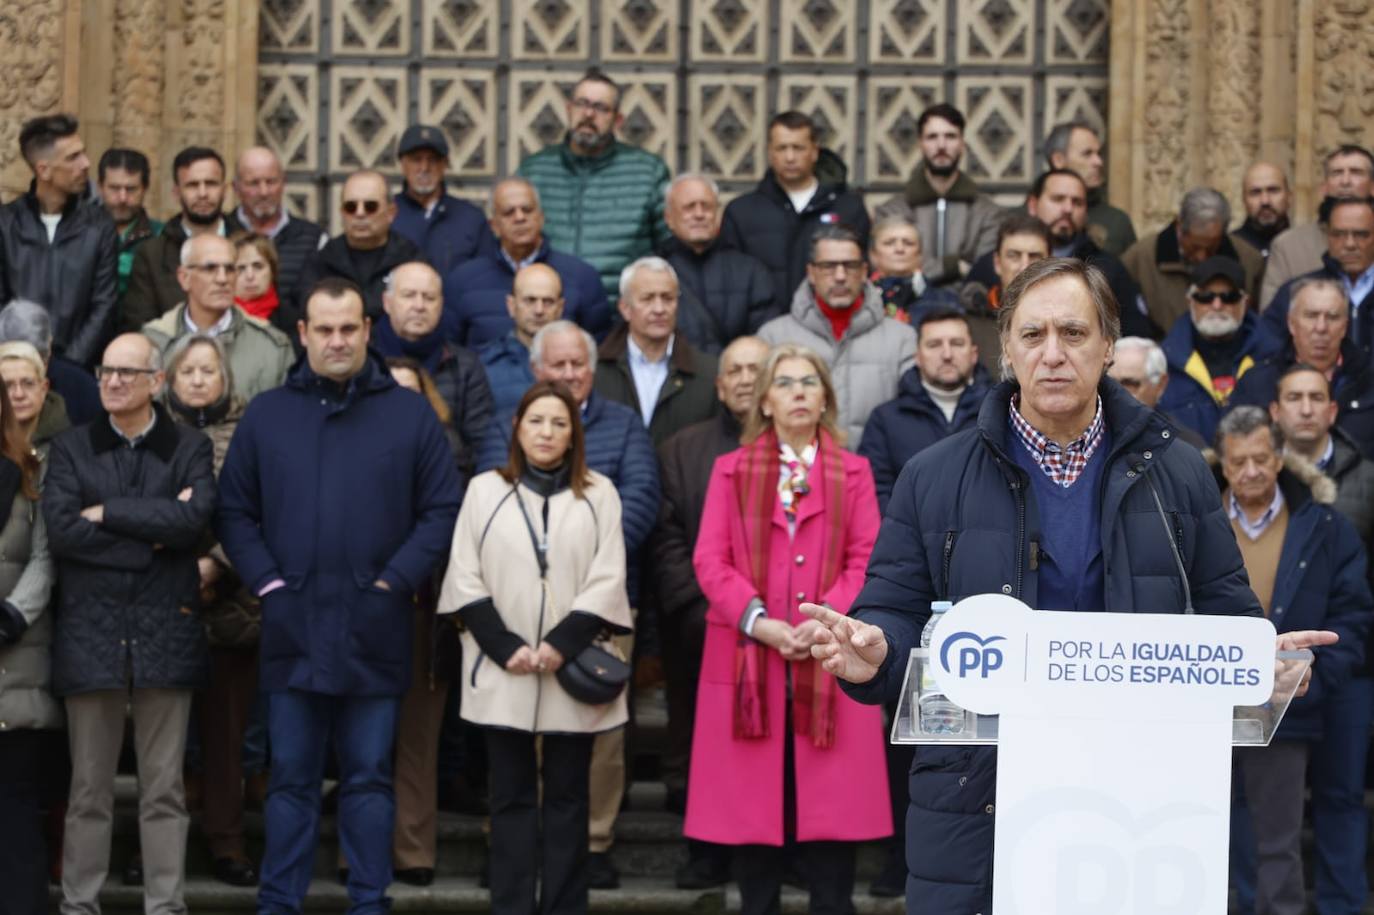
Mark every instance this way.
x=522 y=619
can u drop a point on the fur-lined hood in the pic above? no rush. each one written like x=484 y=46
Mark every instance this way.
x=1322 y=487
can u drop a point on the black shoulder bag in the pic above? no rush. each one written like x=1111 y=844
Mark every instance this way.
x=594 y=675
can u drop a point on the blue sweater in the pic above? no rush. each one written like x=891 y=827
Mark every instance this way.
x=1070 y=548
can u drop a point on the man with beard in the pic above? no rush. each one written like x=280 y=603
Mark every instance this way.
x=957 y=221
x=1348 y=171
x=55 y=251
x=122 y=179
x=1059 y=199
x=840 y=315
x=1317 y=326
x=602 y=199
x=259 y=184
x=1161 y=264
x=447 y=230
x=1265 y=190
x=1211 y=347
x=1077 y=146
x=198 y=173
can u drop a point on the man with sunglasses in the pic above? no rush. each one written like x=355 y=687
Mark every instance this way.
x=369 y=248
x=1210 y=348
x=602 y=199
x=841 y=316
x=1349 y=260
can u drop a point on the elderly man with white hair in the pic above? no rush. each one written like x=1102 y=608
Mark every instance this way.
x=29 y=322
x=734 y=288
x=647 y=364
x=1141 y=368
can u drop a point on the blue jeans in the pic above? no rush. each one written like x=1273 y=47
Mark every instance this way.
x=364 y=729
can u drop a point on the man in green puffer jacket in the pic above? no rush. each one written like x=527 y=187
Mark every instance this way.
x=602 y=199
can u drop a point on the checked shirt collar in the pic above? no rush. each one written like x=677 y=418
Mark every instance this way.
x=1062 y=465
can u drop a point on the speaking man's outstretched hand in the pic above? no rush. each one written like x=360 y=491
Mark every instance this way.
x=847 y=648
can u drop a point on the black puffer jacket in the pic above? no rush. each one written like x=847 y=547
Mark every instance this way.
x=75 y=277
x=127 y=614
x=735 y=291
x=337 y=259
x=296 y=243
x=763 y=223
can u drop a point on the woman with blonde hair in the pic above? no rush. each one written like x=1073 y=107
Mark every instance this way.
x=37 y=409
x=789 y=518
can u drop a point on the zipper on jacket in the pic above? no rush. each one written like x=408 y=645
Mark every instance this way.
x=949 y=553
x=1020 y=535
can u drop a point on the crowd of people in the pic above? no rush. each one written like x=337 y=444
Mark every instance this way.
x=412 y=508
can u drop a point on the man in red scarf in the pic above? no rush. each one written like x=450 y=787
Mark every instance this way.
x=841 y=316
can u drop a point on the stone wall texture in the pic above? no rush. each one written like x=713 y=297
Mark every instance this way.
x=1189 y=91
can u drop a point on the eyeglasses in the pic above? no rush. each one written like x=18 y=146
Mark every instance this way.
x=370 y=207
x=124 y=373
x=832 y=266
x=787 y=382
x=600 y=108
x=27 y=385
x=213 y=269
x=1204 y=297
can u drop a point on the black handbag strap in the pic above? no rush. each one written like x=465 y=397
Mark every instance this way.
x=541 y=547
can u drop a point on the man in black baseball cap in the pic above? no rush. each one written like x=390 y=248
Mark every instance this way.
x=1211 y=346
x=447 y=230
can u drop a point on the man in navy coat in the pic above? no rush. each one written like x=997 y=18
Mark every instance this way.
x=1051 y=499
x=340 y=496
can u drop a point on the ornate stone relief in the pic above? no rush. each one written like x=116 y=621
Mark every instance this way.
x=1343 y=52
x=31 y=79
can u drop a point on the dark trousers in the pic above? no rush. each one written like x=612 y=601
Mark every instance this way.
x=684 y=640
x=1272 y=780
x=1340 y=826
x=225 y=709
x=23 y=854
x=829 y=869
x=899 y=759
x=829 y=866
x=518 y=850
x=364 y=730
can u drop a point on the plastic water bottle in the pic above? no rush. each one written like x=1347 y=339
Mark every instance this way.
x=938 y=714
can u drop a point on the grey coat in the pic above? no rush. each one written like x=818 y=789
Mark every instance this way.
x=26 y=579
x=866 y=364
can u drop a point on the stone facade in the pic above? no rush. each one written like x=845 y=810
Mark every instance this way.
x=1197 y=89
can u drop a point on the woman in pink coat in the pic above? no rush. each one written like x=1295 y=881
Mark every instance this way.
x=790 y=517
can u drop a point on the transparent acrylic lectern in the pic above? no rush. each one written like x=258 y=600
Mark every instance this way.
x=1251 y=726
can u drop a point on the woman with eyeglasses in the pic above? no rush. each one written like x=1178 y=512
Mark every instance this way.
x=789 y=518
x=198 y=394
x=537 y=575
x=29 y=713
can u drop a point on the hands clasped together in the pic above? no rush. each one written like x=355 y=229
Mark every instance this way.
x=542 y=660
x=792 y=642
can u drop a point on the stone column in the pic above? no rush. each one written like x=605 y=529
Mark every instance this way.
x=1202 y=88
x=156 y=75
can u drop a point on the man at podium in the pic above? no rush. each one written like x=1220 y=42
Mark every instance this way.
x=1068 y=495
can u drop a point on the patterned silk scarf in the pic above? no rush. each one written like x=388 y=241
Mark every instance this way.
x=758 y=487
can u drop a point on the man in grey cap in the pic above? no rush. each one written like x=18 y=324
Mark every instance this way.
x=447 y=230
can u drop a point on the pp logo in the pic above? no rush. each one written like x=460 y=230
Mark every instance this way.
x=974 y=656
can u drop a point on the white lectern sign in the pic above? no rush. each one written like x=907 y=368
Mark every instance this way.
x=1114 y=759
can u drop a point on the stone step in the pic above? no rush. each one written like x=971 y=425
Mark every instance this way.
x=644 y=896
x=649 y=841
